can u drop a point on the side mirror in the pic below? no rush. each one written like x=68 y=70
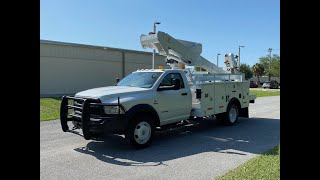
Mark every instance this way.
x=176 y=83
x=117 y=80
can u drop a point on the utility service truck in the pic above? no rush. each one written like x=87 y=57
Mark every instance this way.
x=155 y=99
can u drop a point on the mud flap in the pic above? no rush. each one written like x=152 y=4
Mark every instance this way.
x=244 y=112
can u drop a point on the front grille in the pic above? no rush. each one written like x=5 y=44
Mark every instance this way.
x=78 y=104
x=77 y=113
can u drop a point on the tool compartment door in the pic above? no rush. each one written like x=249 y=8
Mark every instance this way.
x=246 y=96
x=207 y=99
x=220 y=98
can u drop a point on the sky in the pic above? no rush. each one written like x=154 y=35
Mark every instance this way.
x=219 y=25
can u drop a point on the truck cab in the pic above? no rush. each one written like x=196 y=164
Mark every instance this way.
x=159 y=96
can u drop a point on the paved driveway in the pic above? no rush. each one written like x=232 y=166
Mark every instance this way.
x=200 y=151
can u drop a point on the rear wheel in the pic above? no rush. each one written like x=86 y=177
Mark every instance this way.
x=231 y=115
x=140 y=131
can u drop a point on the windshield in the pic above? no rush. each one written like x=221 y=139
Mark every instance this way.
x=140 y=79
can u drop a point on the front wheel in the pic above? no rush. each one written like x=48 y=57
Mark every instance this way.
x=140 y=132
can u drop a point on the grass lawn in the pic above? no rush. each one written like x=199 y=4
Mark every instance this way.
x=265 y=166
x=49 y=108
x=259 y=93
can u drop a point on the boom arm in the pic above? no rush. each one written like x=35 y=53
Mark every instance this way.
x=180 y=51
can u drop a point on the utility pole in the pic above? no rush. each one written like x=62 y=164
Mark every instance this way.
x=218 y=59
x=239 y=54
x=269 y=50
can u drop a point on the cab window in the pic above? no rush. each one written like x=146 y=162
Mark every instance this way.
x=167 y=81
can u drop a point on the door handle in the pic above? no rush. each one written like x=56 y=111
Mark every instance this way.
x=184 y=94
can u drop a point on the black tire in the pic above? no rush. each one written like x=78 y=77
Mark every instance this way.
x=232 y=114
x=143 y=125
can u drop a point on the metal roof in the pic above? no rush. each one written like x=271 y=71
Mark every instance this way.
x=93 y=46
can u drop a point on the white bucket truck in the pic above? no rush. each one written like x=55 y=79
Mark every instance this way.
x=154 y=99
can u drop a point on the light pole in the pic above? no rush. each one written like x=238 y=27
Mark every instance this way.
x=154 y=51
x=218 y=59
x=239 y=54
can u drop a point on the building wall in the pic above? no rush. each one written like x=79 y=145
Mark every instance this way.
x=67 y=68
x=134 y=61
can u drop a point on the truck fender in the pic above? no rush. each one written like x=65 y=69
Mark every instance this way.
x=243 y=112
x=236 y=102
x=142 y=108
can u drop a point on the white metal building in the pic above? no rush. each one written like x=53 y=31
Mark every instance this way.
x=67 y=68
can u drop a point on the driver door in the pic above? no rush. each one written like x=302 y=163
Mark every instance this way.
x=173 y=105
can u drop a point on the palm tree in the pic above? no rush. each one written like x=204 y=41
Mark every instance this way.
x=258 y=70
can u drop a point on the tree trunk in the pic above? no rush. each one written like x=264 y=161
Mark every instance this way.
x=269 y=76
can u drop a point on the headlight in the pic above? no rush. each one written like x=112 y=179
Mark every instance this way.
x=113 y=110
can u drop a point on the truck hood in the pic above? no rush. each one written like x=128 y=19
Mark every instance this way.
x=110 y=91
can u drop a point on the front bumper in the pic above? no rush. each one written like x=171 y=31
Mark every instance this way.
x=87 y=114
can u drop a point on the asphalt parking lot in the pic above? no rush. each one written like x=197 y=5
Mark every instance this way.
x=200 y=151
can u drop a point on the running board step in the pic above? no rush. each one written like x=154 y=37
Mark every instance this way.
x=171 y=126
